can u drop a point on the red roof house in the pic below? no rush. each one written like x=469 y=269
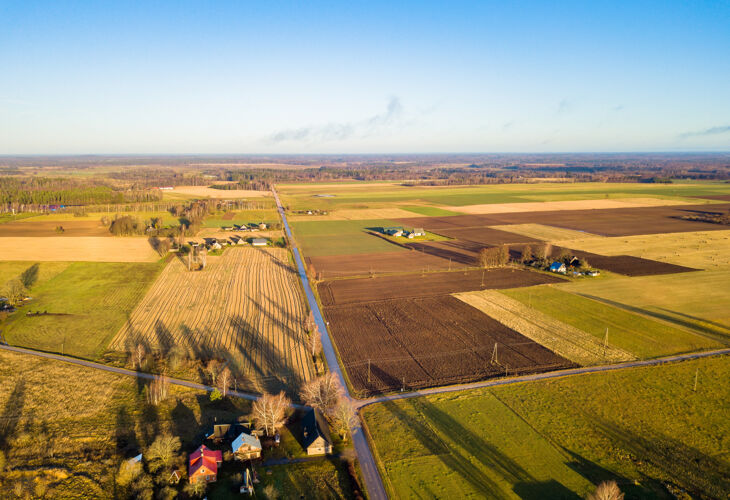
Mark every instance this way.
x=204 y=464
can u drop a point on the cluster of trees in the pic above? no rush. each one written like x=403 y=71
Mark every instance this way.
x=494 y=256
x=33 y=193
x=16 y=289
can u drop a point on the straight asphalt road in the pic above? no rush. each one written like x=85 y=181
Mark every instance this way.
x=371 y=475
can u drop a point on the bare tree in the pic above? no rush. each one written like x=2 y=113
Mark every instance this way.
x=269 y=412
x=163 y=452
x=213 y=368
x=502 y=255
x=15 y=292
x=158 y=389
x=343 y=417
x=309 y=323
x=139 y=355
x=607 y=490
x=315 y=343
x=526 y=254
x=225 y=379
x=322 y=392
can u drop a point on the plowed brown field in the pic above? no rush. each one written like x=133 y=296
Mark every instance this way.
x=608 y=222
x=246 y=307
x=48 y=228
x=336 y=266
x=417 y=343
x=350 y=291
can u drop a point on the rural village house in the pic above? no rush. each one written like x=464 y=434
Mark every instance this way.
x=259 y=242
x=557 y=267
x=317 y=438
x=204 y=464
x=246 y=447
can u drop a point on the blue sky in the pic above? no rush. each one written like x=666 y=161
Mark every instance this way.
x=371 y=77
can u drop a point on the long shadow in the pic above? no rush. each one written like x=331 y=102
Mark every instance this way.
x=11 y=414
x=30 y=275
x=124 y=434
x=695 y=318
x=704 y=476
x=664 y=317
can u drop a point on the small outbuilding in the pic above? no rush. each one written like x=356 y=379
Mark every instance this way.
x=259 y=242
x=557 y=267
x=317 y=439
x=418 y=232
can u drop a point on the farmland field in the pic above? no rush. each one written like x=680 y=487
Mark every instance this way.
x=87 y=303
x=559 y=438
x=703 y=250
x=561 y=338
x=341 y=237
x=639 y=335
x=697 y=301
x=335 y=266
x=607 y=222
x=46 y=271
x=31 y=227
x=350 y=291
x=77 y=248
x=454 y=198
x=183 y=192
x=545 y=233
x=416 y=343
x=245 y=306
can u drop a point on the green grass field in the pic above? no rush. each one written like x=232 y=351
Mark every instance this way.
x=90 y=301
x=429 y=211
x=692 y=300
x=341 y=237
x=641 y=336
x=646 y=428
x=46 y=271
x=372 y=195
x=242 y=217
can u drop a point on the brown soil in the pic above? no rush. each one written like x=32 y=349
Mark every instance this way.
x=485 y=235
x=626 y=264
x=48 y=228
x=423 y=342
x=608 y=222
x=228 y=215
x=350 y=291
x=337 y=266
x=456 y=251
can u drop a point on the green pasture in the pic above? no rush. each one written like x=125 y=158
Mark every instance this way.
x=242 y=217
x=645 y=428
x=428 y=211
x=367 y=195
x=637 y=334
x=341 y=237
x=698 y=300
x=89 y=302
x=33 y=274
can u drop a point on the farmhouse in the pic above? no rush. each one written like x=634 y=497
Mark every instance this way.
x=393 y=231
x=557 y=267
x=259 y=242
x=246 y=447
x=204 y=464
x=418 y=232
x=317 y=438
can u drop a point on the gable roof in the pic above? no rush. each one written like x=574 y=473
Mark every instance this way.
x=247 y=439
x=314 y=426
x=204 y=457
x=556 y=265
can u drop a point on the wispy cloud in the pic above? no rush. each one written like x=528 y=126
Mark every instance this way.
x=564 y=106
x=341 y=131
x=618 y=108
x=708 y=131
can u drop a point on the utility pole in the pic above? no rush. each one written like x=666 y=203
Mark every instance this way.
x=494 y=360
x=605 y=342
x=368 y=370
x=482 y=278
x=697 y=374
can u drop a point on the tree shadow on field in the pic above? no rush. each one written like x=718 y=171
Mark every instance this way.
x=661 y=458
x=184 y=422
x=124 y=433
x=11 y=414
x=284 y=265
x=163 y=338
x=464 y=447
x=664 y=317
